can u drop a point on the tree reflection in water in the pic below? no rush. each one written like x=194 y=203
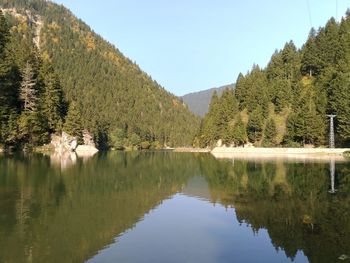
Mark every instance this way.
x=49 y=214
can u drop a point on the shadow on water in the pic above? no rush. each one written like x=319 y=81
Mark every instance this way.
x=50 y=214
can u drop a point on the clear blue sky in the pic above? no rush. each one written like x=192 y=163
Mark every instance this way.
x=191 y=45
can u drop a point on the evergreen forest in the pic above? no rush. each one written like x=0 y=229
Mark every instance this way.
x=287 y=102
x=57 y=75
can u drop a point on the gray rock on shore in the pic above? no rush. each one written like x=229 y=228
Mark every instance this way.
x=67 y=143
x=64 y=143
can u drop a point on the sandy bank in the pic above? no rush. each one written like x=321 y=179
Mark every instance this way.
x=320 y=154
x=191 y=150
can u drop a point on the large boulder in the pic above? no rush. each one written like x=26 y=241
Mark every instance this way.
x=219 y=143
x=64 y=143
x=88 y=139
x=86 y=150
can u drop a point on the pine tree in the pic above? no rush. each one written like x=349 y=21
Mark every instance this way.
x=4 y=32
x=209 y=127
x=5 y=83
x=310 y=56
x=73 y=125
x=135 y=140
x=241 y=91
x=28 y=92
x=255 y=125
x=9 y=88
x=32 y=128
x=306 y=125
x=257 y=91
x=32 y=124
x=274 y=69
x=314 y=119
x=239 y=132
x=228 y=108
x=328 y=46
x=341 y=105
x=291 y=136
x=282 y=94
x=9 y=128
x=52 y=99
x=270 y=133
x=117 y=139
x=3 y=96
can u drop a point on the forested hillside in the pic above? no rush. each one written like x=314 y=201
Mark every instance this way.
x=198 y=102
x=58 y=74
x=286 y=102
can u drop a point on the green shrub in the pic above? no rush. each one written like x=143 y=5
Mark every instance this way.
x=156 y=145
x=145 y=145
x=291 y=144
x=346 y=154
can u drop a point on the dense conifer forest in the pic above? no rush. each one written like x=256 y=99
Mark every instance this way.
x=57 y=75
x=286 y=103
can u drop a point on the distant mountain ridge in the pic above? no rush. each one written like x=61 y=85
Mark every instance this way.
x=198 y=102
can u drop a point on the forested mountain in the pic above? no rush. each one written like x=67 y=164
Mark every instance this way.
x=58 y=74
x=198 y=102
x=286 y=102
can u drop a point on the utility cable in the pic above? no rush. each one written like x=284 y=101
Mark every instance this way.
x=309 y=11
x=336 y=10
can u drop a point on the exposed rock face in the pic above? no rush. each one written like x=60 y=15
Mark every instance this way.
x=35 y=20
x=64 y=143
x=88 y=139
x=219 y=143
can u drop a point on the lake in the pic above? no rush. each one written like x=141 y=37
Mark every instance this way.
x=172 y=207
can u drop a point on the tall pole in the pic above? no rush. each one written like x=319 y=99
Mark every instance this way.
x=331 y=130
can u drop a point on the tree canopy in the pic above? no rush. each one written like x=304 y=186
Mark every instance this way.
x=286 y=102
x=50 y=60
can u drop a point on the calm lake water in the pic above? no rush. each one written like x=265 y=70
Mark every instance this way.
x=172 y=207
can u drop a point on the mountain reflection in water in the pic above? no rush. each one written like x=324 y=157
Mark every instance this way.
x=172 y=207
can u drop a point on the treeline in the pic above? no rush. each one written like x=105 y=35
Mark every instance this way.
x=286 y=103
x=102 y=90
x=31 y=99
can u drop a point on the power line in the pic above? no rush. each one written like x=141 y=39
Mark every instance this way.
x=336 y=10
x=309 y=11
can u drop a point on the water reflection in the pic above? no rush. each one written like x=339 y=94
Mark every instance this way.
x=172 y=207
x=332 y=175
x=63 y=160
x=188 y=229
